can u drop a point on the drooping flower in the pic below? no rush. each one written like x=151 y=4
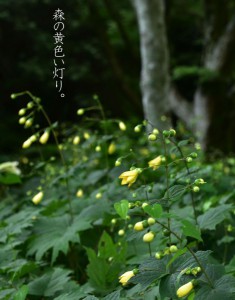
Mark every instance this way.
x=37 y=198
x=10 y=167
x=155 y=163
x=124 y=278
x=129 y=177
x=184 y=289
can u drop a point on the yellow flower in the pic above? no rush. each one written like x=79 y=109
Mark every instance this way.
x=129 y=177
x=155 y=163
x=37 y=198
x=44 y=138
x=123 y=279
x=184 y=289
x=111 y=148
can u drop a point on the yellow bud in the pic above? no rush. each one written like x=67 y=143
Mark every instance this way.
x=97 y=148
x=80 y=111
x=121 y=232
x=173 y=249
x=28 y=123
x=118 y=163
x=44 y=138
x=184 y=290
x=122 y=126
x=151 y=221
x=76 y=140
x=22 y=120
x=113 y=221
x=124 y=278
x=37 y=198
x=79 y=193
x=144 y=205
x=27 y=144
x=30 y=105
x=98 y=195
x=155 y=131
x=22 y=111
x=33 y=138
x=86 y=135
x=111 y=148
x=148 y=237
x=137 y=128
x=152 y=137
x=139 y=226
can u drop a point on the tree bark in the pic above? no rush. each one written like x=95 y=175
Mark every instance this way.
x=154 y=58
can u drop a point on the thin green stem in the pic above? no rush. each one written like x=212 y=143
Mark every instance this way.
x=189 y=174
x=190 y=250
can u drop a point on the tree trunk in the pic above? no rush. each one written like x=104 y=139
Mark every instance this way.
x=154 y=58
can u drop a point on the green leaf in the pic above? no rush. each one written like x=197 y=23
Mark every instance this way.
x=213 y=216
x=175 y=192
x=154 y=211
x=190 y=229
x=56 y=233
x=151 y=270
x=50 y=283
x=9 y=179
x=106 y=246
x=22 y=293
x=122 y=208
x=223 y=288
x=113 y=296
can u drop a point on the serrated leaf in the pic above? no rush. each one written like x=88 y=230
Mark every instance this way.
x=213 y=216
x=190 y=229
x=21 y=293
x=175 y=192
x=150 y=271
x=223 y=288
x=113 y=296
x=56 y=233
x=122 y=208
x=154 y=211
x=50 y=283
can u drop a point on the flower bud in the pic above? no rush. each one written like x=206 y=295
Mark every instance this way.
x=13 y=96
x=30 y=105
x=76 y=140
x=144 y=205
x=86 y=135
x=184 y=290
x=33 y=138
x=44 y=138
x=111 y=148
x=118 y=162
x=122 y=126
x=80 y=111
x=113 y=221
x=22 y=120
x=137 y=128
x=151 y=221
x=173 y=249
x=166 y=133
x=121 y=232
x=138 y=226
x=196 y=189
x=22 y=111
x=193 y=155
x=29 y=123
x=79 y=193
x=98 y=148
x=27 y=144
x=148 y=237
x=199 y=181
x=189 y=159
x=172 y=132
x=152 y=137
x=158 y=255
x=37 y=198
x=98 y=195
